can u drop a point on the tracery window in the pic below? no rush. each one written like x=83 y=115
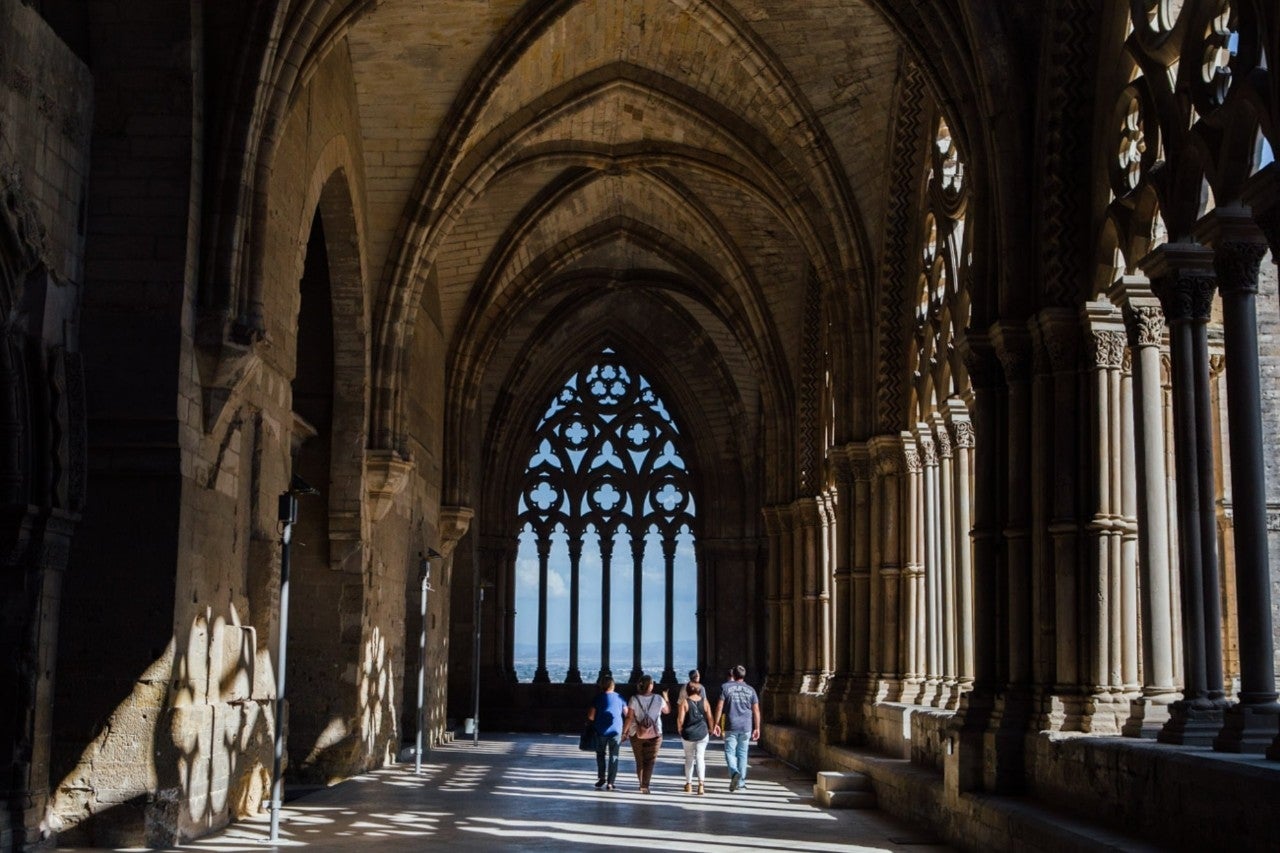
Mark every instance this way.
x=607 y=502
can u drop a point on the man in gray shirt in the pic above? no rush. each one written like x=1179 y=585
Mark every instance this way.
x=742 y=724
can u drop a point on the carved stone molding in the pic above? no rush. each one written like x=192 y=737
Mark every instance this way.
x=1107 y=348
x=1237 y=263
x=910 y=456
x=453 y=525
x=1013 y=348
x=385 y=475
x=963 y=433
x=928 y=449
x=943 y=437
x=1183 y=279
x=1145 y=325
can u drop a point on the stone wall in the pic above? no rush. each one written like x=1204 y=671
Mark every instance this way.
x=46 y=102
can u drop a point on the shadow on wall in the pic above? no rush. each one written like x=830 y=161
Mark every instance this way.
x=187 y=751
x=367 y=739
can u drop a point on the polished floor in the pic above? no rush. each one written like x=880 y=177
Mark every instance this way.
x=535 y=792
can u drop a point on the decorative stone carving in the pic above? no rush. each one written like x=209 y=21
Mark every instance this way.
x=386 y=473
x=1185 y=295
x=1237 y=263
x=1145 y=325
x=1107 y=349
x=454 y=522
x=911 y=459
x=963 y=433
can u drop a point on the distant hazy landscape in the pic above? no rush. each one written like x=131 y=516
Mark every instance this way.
x=526 y=662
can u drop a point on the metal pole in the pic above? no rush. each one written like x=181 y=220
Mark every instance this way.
x=475 y=713
x=424 y=573
x=288 y=515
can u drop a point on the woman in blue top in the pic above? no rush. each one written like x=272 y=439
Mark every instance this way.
x=607 y=712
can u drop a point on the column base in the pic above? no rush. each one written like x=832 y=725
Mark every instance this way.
x=1005 y=743
x=1251 y=728
x=1148 y=715
x=573 y=676
x=1192 y=722
x=668 y=677
x=541 y=676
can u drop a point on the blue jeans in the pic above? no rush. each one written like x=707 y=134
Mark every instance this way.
x=607 y=747
x=735 y=752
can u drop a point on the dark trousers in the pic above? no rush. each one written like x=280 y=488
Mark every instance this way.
x=607 y=747
x=646 y=753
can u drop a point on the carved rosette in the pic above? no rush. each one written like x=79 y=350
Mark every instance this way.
x=1145 y=325
x=1236 y=263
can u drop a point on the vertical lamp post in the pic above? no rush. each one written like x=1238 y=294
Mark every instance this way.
x=424 y=575
x=287 y=516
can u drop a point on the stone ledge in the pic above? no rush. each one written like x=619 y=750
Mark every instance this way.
x=973 y=821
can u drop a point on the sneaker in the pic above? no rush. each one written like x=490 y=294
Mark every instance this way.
x=735 y=782
x=688 y=788
x=701 y=789
x=599 y=784
x=611 y=787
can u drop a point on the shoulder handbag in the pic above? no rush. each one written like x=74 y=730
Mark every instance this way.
x=587 y=740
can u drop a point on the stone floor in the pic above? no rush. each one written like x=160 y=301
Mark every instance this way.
x=535 y=792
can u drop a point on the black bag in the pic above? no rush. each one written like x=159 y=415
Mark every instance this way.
x=587 y=740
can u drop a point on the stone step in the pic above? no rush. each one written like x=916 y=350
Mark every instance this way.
x=844 y=799
x=831 y=780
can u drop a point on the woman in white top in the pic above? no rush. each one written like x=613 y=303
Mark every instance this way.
x=693 y=721
x=644 y=727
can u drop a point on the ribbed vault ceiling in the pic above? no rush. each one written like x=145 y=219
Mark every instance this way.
x=525 y=159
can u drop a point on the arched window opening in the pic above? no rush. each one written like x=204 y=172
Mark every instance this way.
x=606 y=569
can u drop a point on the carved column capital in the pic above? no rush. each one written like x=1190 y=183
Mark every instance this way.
x=980 y=361
x=1238 y=247
x=928 y=449
x=1057 y=333
x=942 y=435
x=910 y=454
x=859 y=459
x=1183 y=279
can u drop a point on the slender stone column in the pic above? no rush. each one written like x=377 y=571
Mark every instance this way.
x=1107 y=342
x=826 y=577
x=1183 y=281
x=843 y=517
x=1060 y=675
x=932 y=581
x=963 y=439
x=668 y=633
x=950 y=694
x=1239 y=247
x=913 y=628
x=540 y=675
x=606 y=570
x=773 y=600
x=1130 y=642
x=1144 y=324
x=860 y=525
x=637 y=602
x=886 y=637
x=1263 y=196
x=1013 y=346
x=967 y=768
x=809 y=554
x=787 y=600
x=574 y=675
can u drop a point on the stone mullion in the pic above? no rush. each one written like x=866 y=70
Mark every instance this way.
x=1144 y=323
x=668 y=598
x=637 y=600
x=505 y=608
x=1238 y=251
x=930 y=564
x=786 y=598
x=540 y=675
x=606 y=593
x=912 y=619
x=801 y=625
x=574 y=675
x=1184 y=284
x=946 y=494
x=841 y=604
